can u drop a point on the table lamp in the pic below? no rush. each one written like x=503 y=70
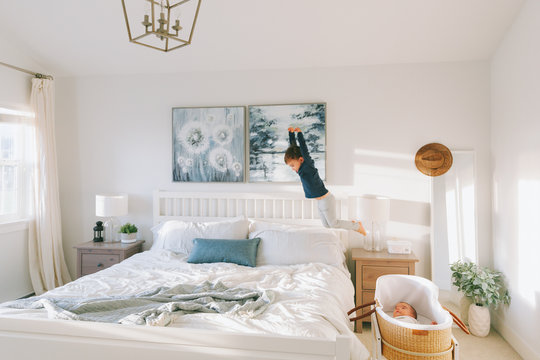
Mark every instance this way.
x=374 y=212
x=111 y=206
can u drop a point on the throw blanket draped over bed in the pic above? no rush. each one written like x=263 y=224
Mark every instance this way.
x=158 y=307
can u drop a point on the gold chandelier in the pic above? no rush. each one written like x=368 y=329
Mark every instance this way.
x=156 y=23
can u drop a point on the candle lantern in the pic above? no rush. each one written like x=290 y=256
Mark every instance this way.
x=156 y=23
x=98 y=232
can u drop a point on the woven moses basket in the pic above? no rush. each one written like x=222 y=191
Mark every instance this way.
x=405 y=341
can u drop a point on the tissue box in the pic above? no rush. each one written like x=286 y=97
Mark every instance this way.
x=399 y=246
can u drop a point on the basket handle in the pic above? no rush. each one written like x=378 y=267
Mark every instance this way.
x=458 y=321
x=360 y=307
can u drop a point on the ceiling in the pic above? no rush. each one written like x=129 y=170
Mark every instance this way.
x=82 y=38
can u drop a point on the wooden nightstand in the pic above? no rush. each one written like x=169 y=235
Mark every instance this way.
x=95 y=256
x=369 y=266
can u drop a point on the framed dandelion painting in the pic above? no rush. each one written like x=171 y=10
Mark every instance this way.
x=208 y=144
x=269 y=139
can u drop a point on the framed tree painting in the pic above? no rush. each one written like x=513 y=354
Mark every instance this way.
x=208 y=144
x=269 y=139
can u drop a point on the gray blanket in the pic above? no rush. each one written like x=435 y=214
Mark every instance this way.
x=158 y=307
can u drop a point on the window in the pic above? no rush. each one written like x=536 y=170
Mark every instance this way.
x=15 y=151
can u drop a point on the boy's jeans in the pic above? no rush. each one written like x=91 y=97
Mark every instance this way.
x=327 y=213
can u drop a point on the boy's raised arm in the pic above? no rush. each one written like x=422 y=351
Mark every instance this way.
x=303 y=148
x=292 y=139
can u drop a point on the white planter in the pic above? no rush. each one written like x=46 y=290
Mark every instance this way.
x=479 y=320
x=128 y=238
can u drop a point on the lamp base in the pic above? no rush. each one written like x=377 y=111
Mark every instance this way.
x=111 y=226
x=373 y=239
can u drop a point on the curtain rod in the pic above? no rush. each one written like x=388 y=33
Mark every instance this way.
x=38 y=75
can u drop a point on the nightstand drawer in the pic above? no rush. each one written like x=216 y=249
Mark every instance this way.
x=96 y=256
x=92 y=263
x=370 y=274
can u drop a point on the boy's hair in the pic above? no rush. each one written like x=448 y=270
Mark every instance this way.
x=292 y=153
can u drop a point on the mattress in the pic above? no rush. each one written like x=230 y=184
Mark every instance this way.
x=311 y=299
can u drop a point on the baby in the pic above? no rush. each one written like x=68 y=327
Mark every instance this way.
x=406 y=313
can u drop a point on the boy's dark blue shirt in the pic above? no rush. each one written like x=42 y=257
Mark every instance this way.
x=309 y=175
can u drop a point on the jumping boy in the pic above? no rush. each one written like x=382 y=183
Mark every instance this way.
x=297 y=157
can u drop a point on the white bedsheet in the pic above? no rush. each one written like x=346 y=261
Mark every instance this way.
x=311 y=299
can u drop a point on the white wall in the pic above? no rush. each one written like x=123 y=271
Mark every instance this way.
x=515 y=149
x=15 y=86
x=15 y=89
x=114 y=134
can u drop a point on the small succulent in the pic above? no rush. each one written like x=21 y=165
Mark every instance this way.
x=128 y=228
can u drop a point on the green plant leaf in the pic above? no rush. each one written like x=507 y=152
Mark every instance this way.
x=484 y=285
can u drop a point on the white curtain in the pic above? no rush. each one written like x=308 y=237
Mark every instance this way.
x=47 y=265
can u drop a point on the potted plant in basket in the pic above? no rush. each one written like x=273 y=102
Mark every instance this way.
x=485 y=287
x=128 y=233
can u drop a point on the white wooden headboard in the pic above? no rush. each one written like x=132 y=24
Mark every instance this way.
x=292 y=208
x=278 y=207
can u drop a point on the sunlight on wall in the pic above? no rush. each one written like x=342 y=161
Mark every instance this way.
x=16 y=112
x=394 y=174
x=383 y=154
x=528 y=240
x=452 y=226
x=390 y=174
x=495 y=197
x=469 y=222
x=461 y=228
x=460 y=208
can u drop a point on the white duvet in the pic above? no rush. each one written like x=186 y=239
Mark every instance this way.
x=311 y=299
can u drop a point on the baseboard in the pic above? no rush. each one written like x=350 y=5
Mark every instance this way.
x=513 y=339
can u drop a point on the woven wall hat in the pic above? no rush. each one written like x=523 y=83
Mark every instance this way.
x=433 y=159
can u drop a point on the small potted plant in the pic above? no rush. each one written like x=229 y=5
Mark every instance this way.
x=128 y=233
x=485 y=287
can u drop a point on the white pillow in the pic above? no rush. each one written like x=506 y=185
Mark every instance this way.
x=177 y=235
x=299 y=246
x=257 y=225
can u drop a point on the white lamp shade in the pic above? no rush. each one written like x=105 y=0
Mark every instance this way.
x=111 y=205
x=373 y=208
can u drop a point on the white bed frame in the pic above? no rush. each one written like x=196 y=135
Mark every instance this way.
x=67 y=340
x=284 y=207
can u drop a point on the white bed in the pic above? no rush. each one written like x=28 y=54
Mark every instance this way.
x=306 y=321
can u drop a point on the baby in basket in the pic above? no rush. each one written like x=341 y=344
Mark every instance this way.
x=406 y=313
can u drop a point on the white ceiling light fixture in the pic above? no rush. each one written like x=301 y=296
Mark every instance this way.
x=156 y=23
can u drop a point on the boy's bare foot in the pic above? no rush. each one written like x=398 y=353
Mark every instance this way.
x=360 y=229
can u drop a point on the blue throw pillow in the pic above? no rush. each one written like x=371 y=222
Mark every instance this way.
x=241 y=252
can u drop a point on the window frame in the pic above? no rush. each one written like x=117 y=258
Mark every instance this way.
x=22 y=162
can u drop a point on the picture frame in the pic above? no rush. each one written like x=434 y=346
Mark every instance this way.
x=208 y=144
x=269 y=139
